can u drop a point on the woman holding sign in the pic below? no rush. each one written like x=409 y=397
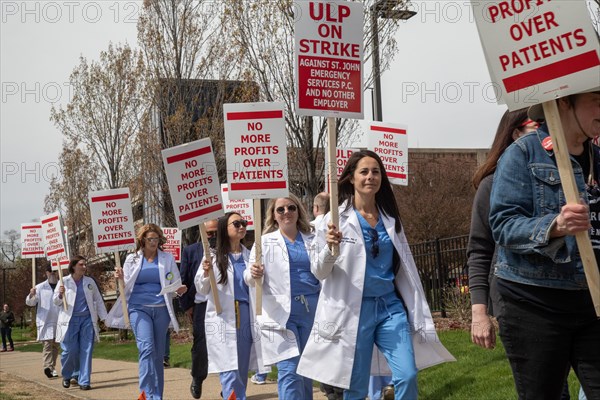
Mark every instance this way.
x=547 y=317
x=77 y=326
x=229 y=355
x=290 y=293
x=372 y=294
x=151 y=280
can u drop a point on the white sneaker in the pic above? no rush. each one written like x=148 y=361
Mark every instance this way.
x=256 y=380
x=54 y=373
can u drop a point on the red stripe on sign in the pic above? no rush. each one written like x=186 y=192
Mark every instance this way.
x=115 y=243
x=258 y=185
x=386 y=129
x=45 y=221
x=28 y=253
x=552 y=71
x=188 y=155
x=55 y=252
x=32 y=227
x=111 y=197
x=199 y=213
x=236 y=116
x=395 y=175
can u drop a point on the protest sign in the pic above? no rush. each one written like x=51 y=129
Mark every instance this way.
x=173 y=244
x=32 y=245
x=243 y=207
x=328 y=57
x=112 y=220
x=341 y=159
x=390 y=142
x=54 y=242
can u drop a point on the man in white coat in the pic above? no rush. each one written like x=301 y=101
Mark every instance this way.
x=45 y=319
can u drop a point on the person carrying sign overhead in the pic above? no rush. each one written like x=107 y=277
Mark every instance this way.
x=372 y=294
x=547 y=317
x=147 y=272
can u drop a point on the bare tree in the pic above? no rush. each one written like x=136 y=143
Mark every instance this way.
x=11 y=246
x=262 y=33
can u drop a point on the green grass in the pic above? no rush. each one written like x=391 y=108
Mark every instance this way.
x=23 y=335
x=477 y=373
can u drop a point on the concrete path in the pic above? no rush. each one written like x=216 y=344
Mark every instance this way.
x=118 y=380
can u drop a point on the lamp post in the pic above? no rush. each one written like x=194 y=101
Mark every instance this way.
x=390 y=9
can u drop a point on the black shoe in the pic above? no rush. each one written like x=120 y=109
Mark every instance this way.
x=166 y=363
x=196 y=389
x=66 y=383
x=85 y=387
x=48 y=372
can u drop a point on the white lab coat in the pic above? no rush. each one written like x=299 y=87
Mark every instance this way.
x=277 y=342
x=94 y=301
x=221 y=328
x=46 y=314
x=329 y=357
x=168 y=273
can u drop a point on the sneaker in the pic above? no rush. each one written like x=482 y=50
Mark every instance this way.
x=74 y=380
x=166 y=363
x=257 y=380
x=54 y=374
x=387 y=393
x=66 y=383
x=48 y=372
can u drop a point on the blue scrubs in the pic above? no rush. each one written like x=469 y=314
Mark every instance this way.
x=78 y=343
x=383 y=321
x=150 y=321
x=238 y=380
x=305 y=294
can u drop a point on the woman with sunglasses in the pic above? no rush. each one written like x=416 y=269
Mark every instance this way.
x=290 y=293
x=229 y=335
x=146 y=273
x=372 y=294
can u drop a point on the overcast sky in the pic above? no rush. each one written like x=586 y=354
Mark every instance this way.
x=438 y=85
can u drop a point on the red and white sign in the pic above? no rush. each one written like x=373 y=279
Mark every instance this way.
x=243 y=207
x=52 y=236
x=112 y=220
x=193 y=183
x=32 y=244
x=390 y=142
x=64 y=264
x=342 y=156
x=173 y=245
x=329 y=58
x=256 y=150
x=538 y=50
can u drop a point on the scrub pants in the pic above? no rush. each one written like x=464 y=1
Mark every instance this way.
x=383 y=322
x=290 y=385
x=238 y=380
x=376 y=384
x=77 y=347
x=150 y=325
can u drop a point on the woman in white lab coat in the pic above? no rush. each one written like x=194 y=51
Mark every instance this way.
x=77 y=327
x=290 y=293
x=229 y=335
x=371 y=294
x=146 y=273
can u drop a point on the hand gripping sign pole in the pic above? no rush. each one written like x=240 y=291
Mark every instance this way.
x=211 y=273
x=333 y=179
x=567 y=179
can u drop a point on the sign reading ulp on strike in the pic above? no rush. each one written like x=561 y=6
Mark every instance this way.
x=193 y=182
x=328 y=56
x=256 y=150
x=112 y=220
x=173 y=244
x=32 y=245
x=390 y=142
x=538 y=50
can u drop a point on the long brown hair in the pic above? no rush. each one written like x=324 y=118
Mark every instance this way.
x=141 y=236
x=510 y=121
x=224 y=246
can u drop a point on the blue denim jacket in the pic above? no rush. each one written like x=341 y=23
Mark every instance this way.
x=526 y=198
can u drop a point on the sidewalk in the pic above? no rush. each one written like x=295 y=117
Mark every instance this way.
x=118 y=380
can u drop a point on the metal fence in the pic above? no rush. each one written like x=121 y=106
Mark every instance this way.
x=442 y=264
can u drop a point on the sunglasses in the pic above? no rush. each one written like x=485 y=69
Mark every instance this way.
x=374 y=242
x=152 y=239
x=238 y=223
x=291 y=208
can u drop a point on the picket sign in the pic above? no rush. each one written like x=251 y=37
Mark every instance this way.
x=195 y=192
x=54 y=242
x=32 y=245
x=112 y=226
x=390 y=143
x=256 y=156
x=565 y=170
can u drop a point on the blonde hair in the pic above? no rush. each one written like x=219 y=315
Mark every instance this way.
x=302 y=224
x=144 y=230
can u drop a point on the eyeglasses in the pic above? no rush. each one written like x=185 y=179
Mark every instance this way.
x=374 y=242
x=153 y=239
x=291 y=208
x=239 y=222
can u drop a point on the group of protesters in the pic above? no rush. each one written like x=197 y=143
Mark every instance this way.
x=342 y=302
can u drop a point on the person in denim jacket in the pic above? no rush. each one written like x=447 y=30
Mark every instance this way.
x=547 y=317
